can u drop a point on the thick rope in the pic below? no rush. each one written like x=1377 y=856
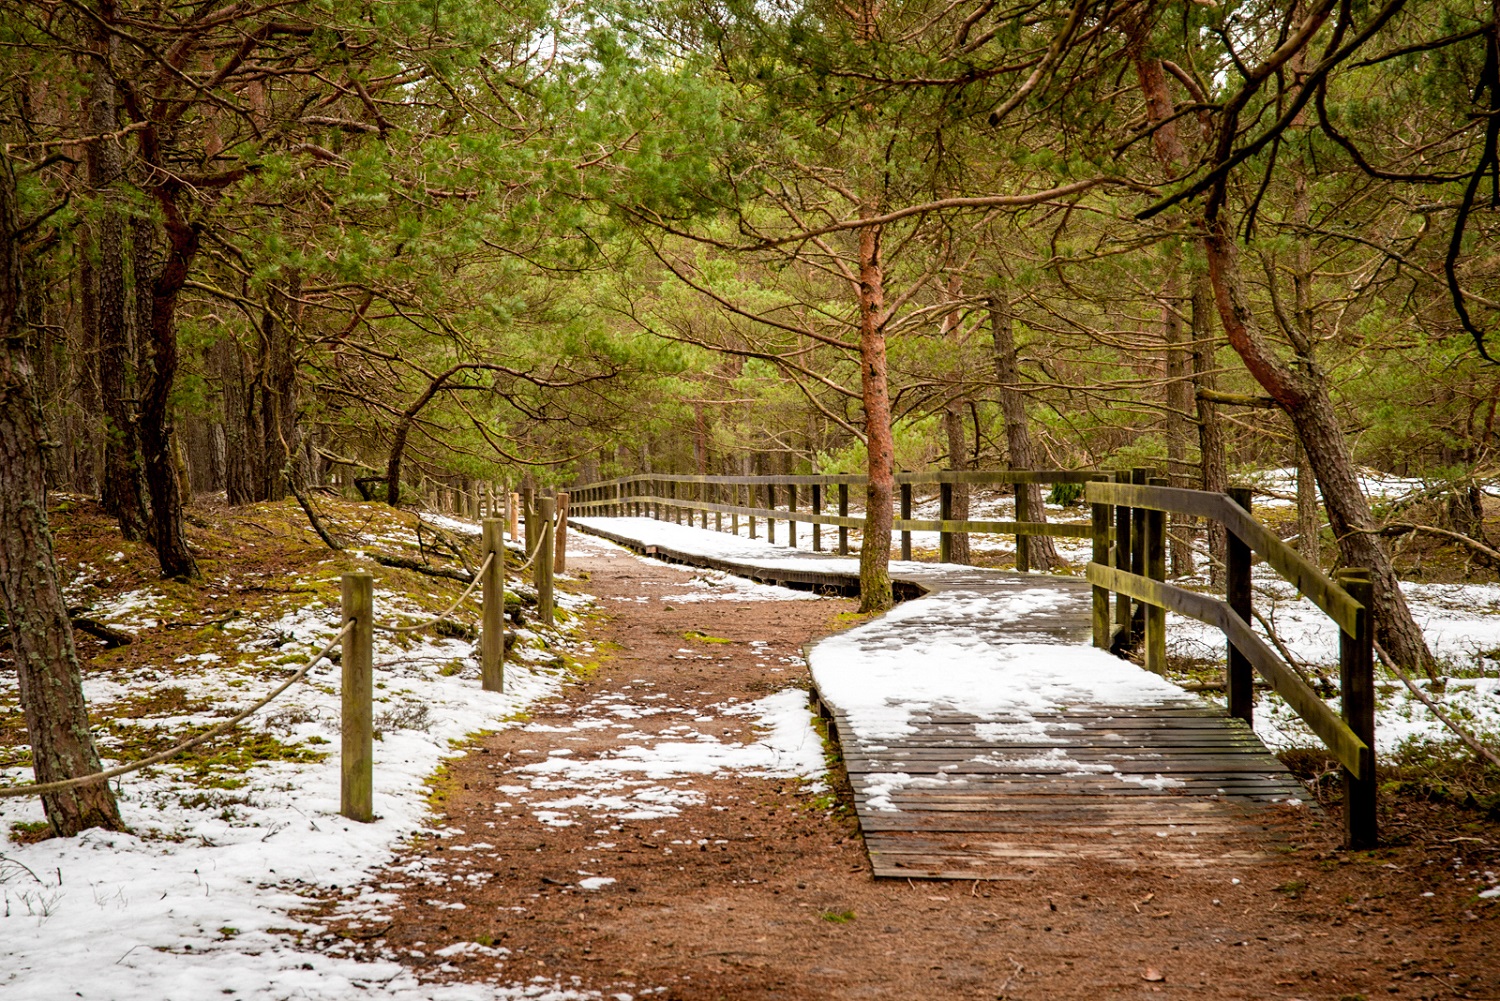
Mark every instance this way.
x=42 y=789
x=478 y=577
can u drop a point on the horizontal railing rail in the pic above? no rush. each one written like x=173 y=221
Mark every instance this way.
x=1135 y=569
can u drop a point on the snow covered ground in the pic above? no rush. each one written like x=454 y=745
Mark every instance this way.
x=202 y=898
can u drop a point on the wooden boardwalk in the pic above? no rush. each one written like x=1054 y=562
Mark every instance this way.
x=1001 y=795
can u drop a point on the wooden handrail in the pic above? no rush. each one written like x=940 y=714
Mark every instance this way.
x=1323 y=721
x=1311 y=582
x=974 y=477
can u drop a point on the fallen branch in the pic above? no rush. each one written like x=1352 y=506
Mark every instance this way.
x=1469 y=739
x=1489 y=554
x=402 y=563
x=109 y=635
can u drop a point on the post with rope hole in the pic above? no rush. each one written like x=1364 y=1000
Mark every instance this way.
x=1238 y=675
x=817 y=506
x=492 y=618
x=528 y=512
x=357 y=753
x=1100 y=534
x=1156 y=569
x=1357 y=697
x=560 y=562
x=513 y=514
x=541 y=570
x=843 y=513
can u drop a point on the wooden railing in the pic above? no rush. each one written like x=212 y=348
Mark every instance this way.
x=677 y=497
x=1128 y=533
x=1134 y=568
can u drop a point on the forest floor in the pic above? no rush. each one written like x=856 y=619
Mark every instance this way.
x=647 y=811
x=744 y=887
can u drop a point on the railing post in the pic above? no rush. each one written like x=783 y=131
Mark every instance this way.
x=357 y=748
x=750 y=503
x=560 y=547
x=1023 y=541
x=817 y=506
x=771 y=506
x=1139 y=475
x=676 y=511
x=1156 y=569
x=703 y=499
x=492 y=618
x=513 y=514
x=1238 y=676
x=1100 y=528
x=1357 y=695
x=541 y=570
x=945 y=513
x=1122 y=561
x=843 y=513
x=905 y=515
x=717 y=493
x=791 y=515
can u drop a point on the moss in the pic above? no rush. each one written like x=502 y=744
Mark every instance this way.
x=697 y=637
x=837 y=917
x=28 y=832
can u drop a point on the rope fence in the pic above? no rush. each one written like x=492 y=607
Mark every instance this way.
x=356 y=637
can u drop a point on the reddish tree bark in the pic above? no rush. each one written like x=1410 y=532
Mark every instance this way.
x=875 y=549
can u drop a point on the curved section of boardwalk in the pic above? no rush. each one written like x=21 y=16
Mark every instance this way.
x=984 y=738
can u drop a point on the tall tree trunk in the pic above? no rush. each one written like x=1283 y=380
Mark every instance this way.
x=241 y=475
x=123 y=483
x=57 y=723
x=1039 y=548
x=155 y=422
x=1211 y=451
x=279 y=400
x=1303 y=394
x=1179 y=400
x=1308 y=521
x=875 y=548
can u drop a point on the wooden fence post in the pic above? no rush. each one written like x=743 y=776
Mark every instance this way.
x=817 y=506
x=492 y=618
x=513 y=514
x=1139 y=475
x=750 y=502
x=1100 y=528
x=791 y=513
x=1239 y=678
x=717 y=493
x=1023 y=541
x=560 y=545
x=905 y=515
x=945 y=513
x=770 y=519
x=1357 y=694
x=1122 y=561
x=843 y=513
x=541 y=570
x=357 y=749
x=1156 y=569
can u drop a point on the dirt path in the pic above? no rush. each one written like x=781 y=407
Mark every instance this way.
x=661 y=881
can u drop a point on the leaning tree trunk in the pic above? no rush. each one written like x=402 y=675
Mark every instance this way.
x=1039 y=548
x=41 y=635
x=155 y=421
x=1303 y=394
x=875 y=547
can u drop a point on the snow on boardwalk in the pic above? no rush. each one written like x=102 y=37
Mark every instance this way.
x=984 y=737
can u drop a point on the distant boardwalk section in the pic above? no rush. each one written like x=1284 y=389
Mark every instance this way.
x=984 y=737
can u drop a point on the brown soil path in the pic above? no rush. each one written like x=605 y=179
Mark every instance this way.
x=757 y=888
